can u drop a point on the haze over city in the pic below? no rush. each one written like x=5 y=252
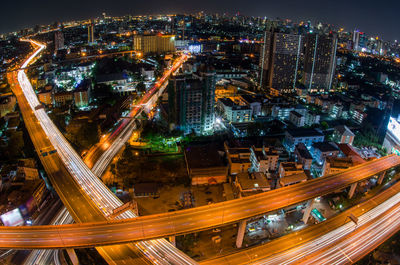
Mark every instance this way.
x=376 y=18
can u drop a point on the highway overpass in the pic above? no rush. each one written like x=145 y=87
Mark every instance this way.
x=189 y=220
x=85 y=196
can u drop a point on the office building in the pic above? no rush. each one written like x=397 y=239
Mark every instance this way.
x=154 y=43
x=279 y=62
x=319 y=62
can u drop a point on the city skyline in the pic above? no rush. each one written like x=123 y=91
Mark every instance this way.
x=353 y=15
x=199 y=137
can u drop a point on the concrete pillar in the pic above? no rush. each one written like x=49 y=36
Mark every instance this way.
x=72 y=256
x=307 y=211
x=172 y=240
x=352 y=190
x=381 y=177
x=240 y=235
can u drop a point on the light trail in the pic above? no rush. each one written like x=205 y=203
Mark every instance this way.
x=90 y=183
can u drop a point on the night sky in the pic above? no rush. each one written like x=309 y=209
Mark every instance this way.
x=372 y=16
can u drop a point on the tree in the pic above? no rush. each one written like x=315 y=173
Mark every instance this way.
x=324 y=125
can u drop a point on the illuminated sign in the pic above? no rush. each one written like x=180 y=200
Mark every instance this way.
x=394 y=128
x=12 y=218
x=195 y=48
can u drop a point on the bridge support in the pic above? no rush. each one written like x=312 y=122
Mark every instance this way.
x=172 y=240
x=381 y=177
x=352 y=190
x=72 y=256
x=240 y=235
x=307 y=211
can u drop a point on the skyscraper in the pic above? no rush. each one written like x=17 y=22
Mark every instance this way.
x=58 y=40
x=91 y=33
x=356 y=40
x=191 y=102
x=319 y=62
x=279 y=61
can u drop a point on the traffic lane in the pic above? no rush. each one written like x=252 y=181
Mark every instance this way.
x=171 y=223
x=283 y=246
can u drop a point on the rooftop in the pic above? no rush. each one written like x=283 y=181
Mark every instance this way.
x=303 y=151
x=344 y=130
x=296 y=178
x=295 y=113
x=304 y=132
x=325 y=146
x=252 y=182
x=203 y=156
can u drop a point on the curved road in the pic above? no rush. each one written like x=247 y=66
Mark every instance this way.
x=189 y=220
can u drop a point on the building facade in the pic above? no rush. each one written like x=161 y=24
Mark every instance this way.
x=154 y=43
x=191 y=102
x=279 y=62
x=319 y=62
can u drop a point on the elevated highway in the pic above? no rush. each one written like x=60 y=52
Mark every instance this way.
x=189 y=220
x=85 y=196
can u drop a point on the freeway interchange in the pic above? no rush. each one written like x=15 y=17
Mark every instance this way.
x=189 y=220
x=96 y=231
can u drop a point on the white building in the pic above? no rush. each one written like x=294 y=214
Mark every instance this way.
x=233 y=112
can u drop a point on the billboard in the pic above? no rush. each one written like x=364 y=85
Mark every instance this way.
x=12 y=218
x=195 y=48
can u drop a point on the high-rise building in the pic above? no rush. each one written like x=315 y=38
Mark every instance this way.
x=359 y=40
x=91 y=33
x=191 y=102
x=319 y=62
x=279 y=61
x=356 y=40
x=58 y=40
x=154 y=43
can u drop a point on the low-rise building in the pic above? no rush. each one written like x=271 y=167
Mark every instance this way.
x=334 y=165
x=233 y=112
x=322 y=150
x=290 y=168
x=46 y=97
x=251 y=183
x=255 y=103
x=292 y=179
x=303 y=156
x=358 y=116
x=146 y=190
x=205 y=165
x=7 y=104
x=263 y=159
x=343 y=135
x=238 y=159
x=302 y=135
x=63 y=98
x=311 y=118
x=296 y=119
